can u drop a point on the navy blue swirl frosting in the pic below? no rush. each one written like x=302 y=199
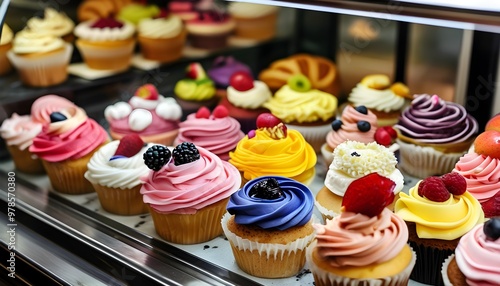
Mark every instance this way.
x=293 y=208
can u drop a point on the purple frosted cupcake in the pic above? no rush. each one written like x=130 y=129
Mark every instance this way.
x=222 y=69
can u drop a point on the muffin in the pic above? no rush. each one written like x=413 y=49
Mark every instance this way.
x=5 y=46
x=384 y=99
x=217 y=132
x=66 y=145
x=274 y=150
x=210 y=30
x=223 y=67
x=476 y=258
x=161 y=39
x=438 y=212
x=432 y=135
x=270 y=244
x=367 y=244
x=53 y=23
x=187 y=189
x=115 y=171
x=40 y=59
x=18 y=132
x=244 y=99
x=148 y=114
x=254 y=21
x=351 y=161
x=304 y=109
x=106 y=43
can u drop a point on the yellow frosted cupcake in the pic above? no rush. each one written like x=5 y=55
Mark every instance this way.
x=5 y=46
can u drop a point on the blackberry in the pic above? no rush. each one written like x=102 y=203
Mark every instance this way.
x=362 y=109
x=364 y=126
x=184 y=153
x=156 y=157
x=336 y=124
x=268 y=189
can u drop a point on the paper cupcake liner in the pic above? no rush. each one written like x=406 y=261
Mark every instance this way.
x=427 y=270
x=106 y=57
x=324 y=278
x=259 y=28
x=423 y=162
x=163 y=50
x=121 y=201
x=25 y=161
x=325 y=213
x=68 y=176
x=314 y=135
x=444 y=270
x=327 y=154
x=200 y=227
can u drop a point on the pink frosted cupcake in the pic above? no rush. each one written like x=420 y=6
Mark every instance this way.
x=217 y=132
x=148 y=114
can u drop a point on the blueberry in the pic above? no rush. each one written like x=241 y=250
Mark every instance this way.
x=362 y=109
x=491 y=228
x=57 y=116
x=364 y=126
x=336 y=124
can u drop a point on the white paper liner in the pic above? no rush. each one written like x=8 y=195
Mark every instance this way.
x=423 y=162
x=51 y=60
x=324 y=211
x=314 y=135
x=444 y=270
x=327 y=155
x=138 y=61
x=266 y=248
x=328 y=278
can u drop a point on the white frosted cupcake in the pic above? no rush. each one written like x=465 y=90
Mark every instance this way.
x=53 y=23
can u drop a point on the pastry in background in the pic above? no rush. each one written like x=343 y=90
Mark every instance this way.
x=321 y=72
x=150 y=115
x=5 y=46
x=432 y=135
x=270 y=244
x=223 y=67
x=254 y=21
x=135 y=12
x=210 y=30
x=184 y=9
x=98 y=9
x=106 y=43
x=54 y=23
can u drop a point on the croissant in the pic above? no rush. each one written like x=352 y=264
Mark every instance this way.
x=95 y=9
x=321 y=71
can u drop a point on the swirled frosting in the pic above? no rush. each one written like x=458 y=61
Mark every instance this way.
x=28 y=42
x=250 y=10
x=84 y=30
x=384 y=100
x=478 y=258
x=263 y=155
x=195 y=90
x=7 y=35
x=482 y=174
x=187 y=188
x=223 y=68
x=295 y=205
x=19 y=130
x=293 y=106
x=446 y=220
x=43 y=106
x=349 y=128
x=250 y=99
x=353 y=160
x=217 y=135
x=53 y=23
x=123 y=172
x=429 y=119
x=160 y=28
x=70 y=139
x=353 y=239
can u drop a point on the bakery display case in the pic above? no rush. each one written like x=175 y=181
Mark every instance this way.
x=434 y=47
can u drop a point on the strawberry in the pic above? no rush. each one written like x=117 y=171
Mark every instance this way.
x=382 y=137
x=455 y=183
x=147 y=91
x=272 y=124
x=369 y=195
x=129 y=145
x=203 y=112
x=241 y=81
x=491 y=207
x=392 y=132
x=220 y=112
x=435 y=190
x=195 y=71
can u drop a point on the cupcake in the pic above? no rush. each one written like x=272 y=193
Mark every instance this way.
x=432 y=135
x=245 y=98
x=195 y=90
x=210 y=30
x=148 y=114
x=5 y=46
x=274 y=150
x=184 y=9
x=438 y=212
x=161 y=39
x=40 y=59
x=476 y=258
x=223 y=67
x=136 y=12
x=217 y=132
x=304 y=109
x=54 y=23
x=66 y=145
x=351 y=161
x=367 y=244
x=384 y=99
x=254 y=21
x=106 y=43
x=270 y=244
x=18 y=132
x=187 y=191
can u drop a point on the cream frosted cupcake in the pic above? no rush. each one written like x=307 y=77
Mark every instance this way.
x=53 y=23
x=351 y=161
x=254 y=21
x=270 y=244
x=162 y=39
x=5 y=46
x=115 y=171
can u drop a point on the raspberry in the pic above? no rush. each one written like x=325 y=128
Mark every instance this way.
x=203 y=112
x=129 y=145
x=491 y=207
x=435 y=190
x=455 y=183
x=420 y=188
x=156 y=157
x=184 y=153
